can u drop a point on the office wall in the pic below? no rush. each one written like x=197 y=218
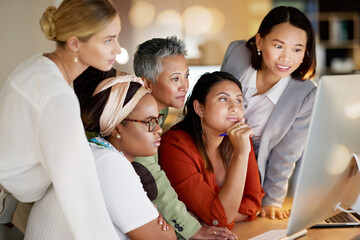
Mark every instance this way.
x=20 y=33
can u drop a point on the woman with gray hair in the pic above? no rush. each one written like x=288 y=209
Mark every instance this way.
x=161 y=63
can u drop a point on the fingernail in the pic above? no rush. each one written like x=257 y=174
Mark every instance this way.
x=161 y=222
x=164 y=228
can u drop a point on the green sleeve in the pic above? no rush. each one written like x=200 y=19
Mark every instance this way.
x=167 y=202
x=165 y=111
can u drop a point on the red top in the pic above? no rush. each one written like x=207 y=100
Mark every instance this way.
x=196 y=187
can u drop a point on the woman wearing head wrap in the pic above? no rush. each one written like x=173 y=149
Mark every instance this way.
x=127 y=118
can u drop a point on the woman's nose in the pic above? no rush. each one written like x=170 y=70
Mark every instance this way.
x=285 y=54
x=158 y=129
x=184 y=84
x=233 y=107
x=117 y=49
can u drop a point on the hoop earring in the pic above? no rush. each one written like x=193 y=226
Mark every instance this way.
x=258 y=52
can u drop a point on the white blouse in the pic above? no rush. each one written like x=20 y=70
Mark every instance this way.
x=125 y=198
x=42 y=142
x=258 y=108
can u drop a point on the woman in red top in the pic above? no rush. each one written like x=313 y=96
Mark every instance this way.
x=215 y=176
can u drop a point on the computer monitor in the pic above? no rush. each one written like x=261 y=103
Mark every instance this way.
x=329 y=171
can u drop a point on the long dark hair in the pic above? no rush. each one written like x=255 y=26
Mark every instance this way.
x=192 y=123
x=93 y=106
x=296 y=18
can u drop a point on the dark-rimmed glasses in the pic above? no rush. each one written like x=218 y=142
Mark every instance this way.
x=151 y=123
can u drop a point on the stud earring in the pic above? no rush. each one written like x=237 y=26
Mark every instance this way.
x=258 y=52
x=76 y=59
x=118 y=136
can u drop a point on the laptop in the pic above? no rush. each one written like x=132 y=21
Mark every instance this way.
x=343 y=219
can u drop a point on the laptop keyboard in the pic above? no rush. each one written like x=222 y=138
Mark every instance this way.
x=342 y=217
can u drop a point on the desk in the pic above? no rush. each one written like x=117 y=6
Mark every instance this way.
x=246 y=230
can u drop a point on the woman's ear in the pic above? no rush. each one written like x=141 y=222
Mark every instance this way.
x=199 y=108
x=148 y=84
x=116 y=133
x=73 y=43
x=259 y=41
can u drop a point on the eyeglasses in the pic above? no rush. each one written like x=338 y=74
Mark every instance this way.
x=151 y=123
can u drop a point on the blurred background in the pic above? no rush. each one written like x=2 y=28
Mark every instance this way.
x=206 y=26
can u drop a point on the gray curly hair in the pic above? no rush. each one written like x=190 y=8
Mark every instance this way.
x=147 y=58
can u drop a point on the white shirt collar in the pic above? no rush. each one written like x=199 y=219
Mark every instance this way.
x=276 y=91
x=273 y=93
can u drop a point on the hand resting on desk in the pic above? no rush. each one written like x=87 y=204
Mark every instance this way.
x=273 y=212
x=212 y=232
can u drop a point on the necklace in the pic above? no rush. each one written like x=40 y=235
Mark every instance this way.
x=56 y=59
x=100 y=142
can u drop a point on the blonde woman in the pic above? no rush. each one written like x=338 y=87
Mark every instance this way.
x=42 y=141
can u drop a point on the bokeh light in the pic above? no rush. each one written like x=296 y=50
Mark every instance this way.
x=141 y=14
x=197 y=20
x=169 y=19
x=123 y=57
x=218 y=21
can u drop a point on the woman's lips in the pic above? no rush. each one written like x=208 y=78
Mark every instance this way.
x=157 y=143
x=182 y=98
x=282 y=68
x=233 y=119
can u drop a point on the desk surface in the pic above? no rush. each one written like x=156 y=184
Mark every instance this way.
x=246 y=230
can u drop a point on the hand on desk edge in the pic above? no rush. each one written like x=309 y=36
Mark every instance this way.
x=214 y=233
x=273 y=212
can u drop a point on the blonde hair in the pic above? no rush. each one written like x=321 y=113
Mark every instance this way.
x=80 y=18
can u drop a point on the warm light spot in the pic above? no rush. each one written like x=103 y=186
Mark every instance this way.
x=339 y=160
x=169 y=19
x=123 y=57
x=197 y=20
x=142 y=14
x=218 y=20
x=259 y=7
x=352 y=111
x=253 y=27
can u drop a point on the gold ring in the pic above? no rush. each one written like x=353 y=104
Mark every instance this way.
x=214 y=232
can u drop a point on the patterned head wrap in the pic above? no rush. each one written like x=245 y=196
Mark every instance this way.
x=114 y=111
